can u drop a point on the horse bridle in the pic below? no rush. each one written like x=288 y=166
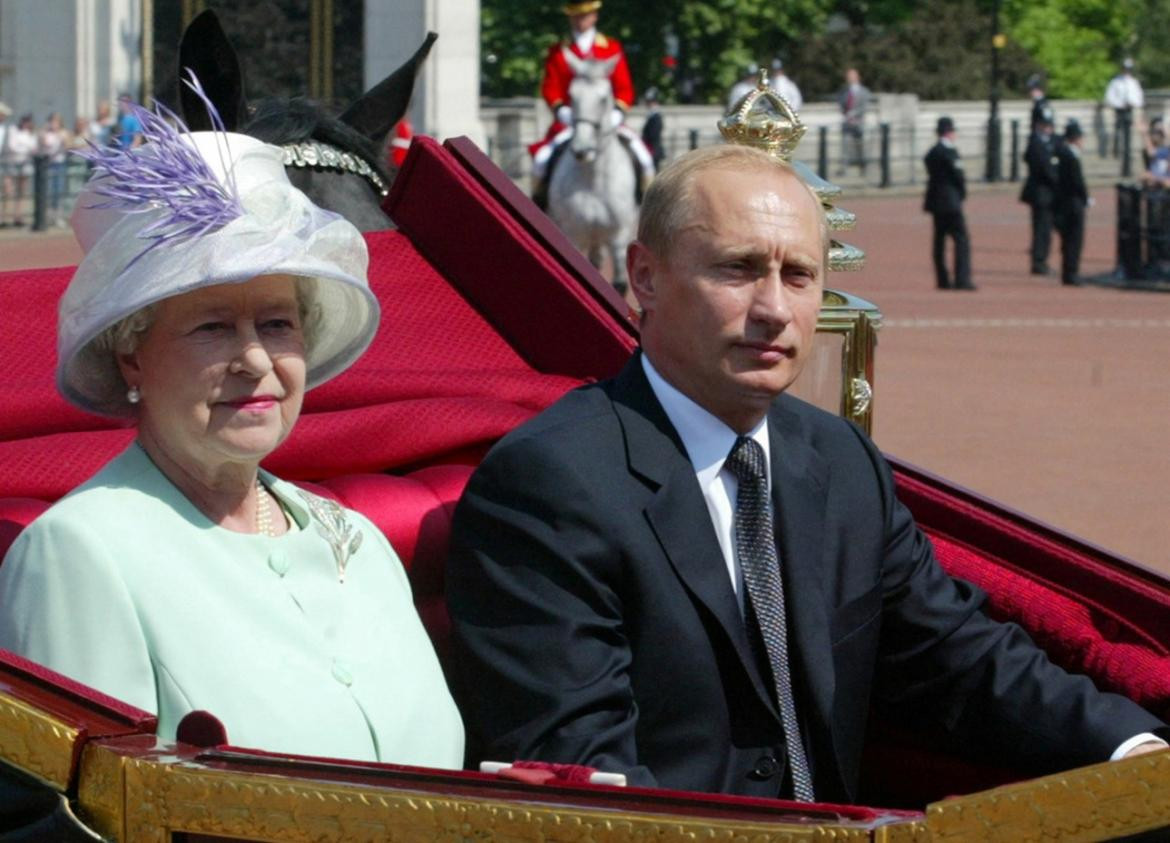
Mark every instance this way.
x=322 y=156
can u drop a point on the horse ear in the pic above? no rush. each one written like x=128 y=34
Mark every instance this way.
x=206 y=50
x=379 y=108
x=608 y=65
x=575 y=64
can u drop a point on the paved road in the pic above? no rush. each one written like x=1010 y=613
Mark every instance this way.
x=1051 y=400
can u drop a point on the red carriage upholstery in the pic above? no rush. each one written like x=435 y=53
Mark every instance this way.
x=488 y=317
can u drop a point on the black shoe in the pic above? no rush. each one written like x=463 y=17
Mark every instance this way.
x=967 y=286
x=1073 y=281
x=1040 y=269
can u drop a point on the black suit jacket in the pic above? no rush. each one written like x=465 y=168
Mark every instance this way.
x=595 y=621
x=946 y=186
x=1041 y=183
x=1072 y=195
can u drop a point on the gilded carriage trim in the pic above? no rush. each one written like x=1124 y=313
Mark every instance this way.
x=36 y=742
x=858 y=322
x=101 y=791
x=1091 y=803
x=165 y=798
x=907 y=831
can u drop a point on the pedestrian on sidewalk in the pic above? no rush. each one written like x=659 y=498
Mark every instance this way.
x=946 y=188
x=853 y=100
x=1124 y=95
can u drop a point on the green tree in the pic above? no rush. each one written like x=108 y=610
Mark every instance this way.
x=692 y=48
x=1149 y=47
x=1077 y=42
x=939 y=50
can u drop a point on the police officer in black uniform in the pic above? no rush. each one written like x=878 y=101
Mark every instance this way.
x=946 y=189
x=1040 y=188
x=1041 y=108
x=1072 y=197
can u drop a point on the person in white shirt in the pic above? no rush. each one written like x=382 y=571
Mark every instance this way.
x=52 y=142
x=784 y=86
x=16 y=157
x=1124 y=95
x=745 y=85
x=5 y=177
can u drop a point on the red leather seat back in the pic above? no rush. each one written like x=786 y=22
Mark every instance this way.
x=15 y=515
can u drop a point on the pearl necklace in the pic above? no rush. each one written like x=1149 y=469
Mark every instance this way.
x=263 y=511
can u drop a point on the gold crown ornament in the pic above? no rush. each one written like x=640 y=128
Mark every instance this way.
x=583 y=8
x=764 y=119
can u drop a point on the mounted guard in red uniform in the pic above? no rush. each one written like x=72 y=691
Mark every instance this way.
x=584 y=42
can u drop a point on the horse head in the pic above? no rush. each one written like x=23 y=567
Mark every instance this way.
x=339 y=162
x=591 y=94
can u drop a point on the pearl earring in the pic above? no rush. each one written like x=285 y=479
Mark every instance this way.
x=133 y=395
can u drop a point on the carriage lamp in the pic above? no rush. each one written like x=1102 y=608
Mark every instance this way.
x=839 y=373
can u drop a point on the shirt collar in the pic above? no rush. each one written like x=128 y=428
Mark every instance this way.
x=707 y=439
x=585 y=40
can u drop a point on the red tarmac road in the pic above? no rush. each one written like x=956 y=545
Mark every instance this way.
x=1051 y=400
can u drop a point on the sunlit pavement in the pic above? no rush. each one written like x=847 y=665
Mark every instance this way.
x=1052 y=400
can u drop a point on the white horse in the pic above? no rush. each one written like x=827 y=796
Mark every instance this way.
x=591 y=191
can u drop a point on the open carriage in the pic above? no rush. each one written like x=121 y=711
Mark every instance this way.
x=488 y=317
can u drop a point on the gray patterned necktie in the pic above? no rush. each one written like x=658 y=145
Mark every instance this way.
x=755 y=545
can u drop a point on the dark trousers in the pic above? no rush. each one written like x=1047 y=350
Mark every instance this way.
x=1122 y=121
x=1071 y=225
x=852 y=147
x=953 y=225
x=1041 y=235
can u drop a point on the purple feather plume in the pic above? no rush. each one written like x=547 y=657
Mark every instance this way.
x=166 y=173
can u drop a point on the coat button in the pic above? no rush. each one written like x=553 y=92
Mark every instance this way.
x=766 y=767
x=342 y=673
x=279 y=562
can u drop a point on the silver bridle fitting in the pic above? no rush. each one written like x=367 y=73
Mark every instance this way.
x=321 y=155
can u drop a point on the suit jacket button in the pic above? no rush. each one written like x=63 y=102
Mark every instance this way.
x=766 y=767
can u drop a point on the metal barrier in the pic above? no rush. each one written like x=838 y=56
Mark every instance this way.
x=1143 y=233
x=55 y=186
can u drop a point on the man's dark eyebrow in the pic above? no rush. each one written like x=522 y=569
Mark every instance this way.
x=804 y=262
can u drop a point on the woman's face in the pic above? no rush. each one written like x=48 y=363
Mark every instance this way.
x=221 y=371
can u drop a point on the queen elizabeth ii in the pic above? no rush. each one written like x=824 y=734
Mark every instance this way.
x=182 y=576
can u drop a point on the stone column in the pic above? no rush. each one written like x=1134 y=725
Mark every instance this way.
x=446 y=96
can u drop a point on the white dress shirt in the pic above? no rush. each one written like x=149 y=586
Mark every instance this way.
x=1124 y=91
x=708 y=442
x=584 y=40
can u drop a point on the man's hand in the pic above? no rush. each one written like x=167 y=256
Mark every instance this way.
x=1143 y=748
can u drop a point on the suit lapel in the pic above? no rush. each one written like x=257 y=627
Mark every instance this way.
x=799 y=481
x=678 y=512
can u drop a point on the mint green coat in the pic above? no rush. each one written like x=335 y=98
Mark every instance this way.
x=124 y=585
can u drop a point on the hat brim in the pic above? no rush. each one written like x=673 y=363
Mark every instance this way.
x=280 y=233
x=582 y=8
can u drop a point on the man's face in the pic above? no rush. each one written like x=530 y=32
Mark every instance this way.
x=852 y=77
x=583 y=23
x=731 y=314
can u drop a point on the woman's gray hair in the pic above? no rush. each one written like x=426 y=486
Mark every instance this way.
x=124 y=335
